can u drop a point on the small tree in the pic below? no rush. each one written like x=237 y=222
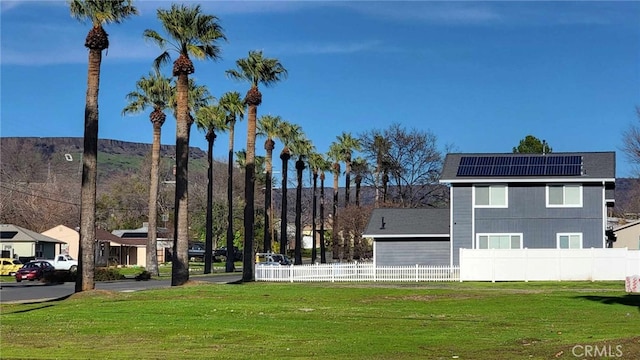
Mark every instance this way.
x=532 y=145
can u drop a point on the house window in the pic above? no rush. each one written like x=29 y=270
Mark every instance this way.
x=499 y=241
x=569 y=241
x=491 y=196
x=564 y=196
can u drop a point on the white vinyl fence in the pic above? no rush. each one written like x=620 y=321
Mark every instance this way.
x=355 y=272
x=548 y=264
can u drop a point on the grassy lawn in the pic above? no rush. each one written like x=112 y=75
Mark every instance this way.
x=330 y=321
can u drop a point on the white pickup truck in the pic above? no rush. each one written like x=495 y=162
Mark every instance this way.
x=64 y=262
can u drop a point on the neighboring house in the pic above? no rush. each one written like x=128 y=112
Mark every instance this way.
x=18 y=242
x=515 y=201
x=628 y=236
x=69 y=236
x=409 y=236
x=130 y=246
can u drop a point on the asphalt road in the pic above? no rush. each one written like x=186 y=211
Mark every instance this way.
x=28 y=291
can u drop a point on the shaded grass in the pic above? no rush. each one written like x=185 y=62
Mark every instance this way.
x=334 y=321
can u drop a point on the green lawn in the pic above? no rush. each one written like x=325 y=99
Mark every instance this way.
x=330 y=321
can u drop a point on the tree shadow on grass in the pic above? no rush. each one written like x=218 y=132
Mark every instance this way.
x=45 y=304
x=628 y=299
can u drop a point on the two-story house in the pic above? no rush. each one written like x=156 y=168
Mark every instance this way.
x=514 y=201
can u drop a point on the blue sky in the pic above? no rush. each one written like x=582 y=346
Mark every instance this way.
x=479 y=75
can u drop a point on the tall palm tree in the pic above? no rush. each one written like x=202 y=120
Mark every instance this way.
x=314 y=159
x=335 y=156
x=269 y=127
x=301 y=147
x=347 y=144
x=155 y=91
x=98 y=13
x=288 y=132
x=381 y=146
x=323 y=166
x=359 y=168
x=191 y=33
x=234 y=107
x=211 y=119
x=255 y=69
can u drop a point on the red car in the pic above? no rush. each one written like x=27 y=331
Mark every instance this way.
x=34 y=270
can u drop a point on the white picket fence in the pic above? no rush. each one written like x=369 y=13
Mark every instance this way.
x=355 y=272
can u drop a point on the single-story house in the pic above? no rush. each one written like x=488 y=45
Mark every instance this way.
x=24 y=244
x=627 y=235
x=409 y=236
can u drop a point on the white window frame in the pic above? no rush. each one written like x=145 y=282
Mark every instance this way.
x=579 y=235
x=520 y=235
x=491 y=188
x=564 y=187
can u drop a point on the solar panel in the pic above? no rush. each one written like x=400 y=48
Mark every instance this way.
x=521 y=165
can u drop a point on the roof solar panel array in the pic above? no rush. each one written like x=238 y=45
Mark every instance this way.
x=521 y=165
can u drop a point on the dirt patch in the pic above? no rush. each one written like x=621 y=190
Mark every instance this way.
x=95 y=293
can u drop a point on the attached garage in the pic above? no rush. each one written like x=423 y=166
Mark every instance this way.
x=403 y=237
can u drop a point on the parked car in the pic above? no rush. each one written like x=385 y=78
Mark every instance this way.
x=9 y=266
x=222 y=251
x=196 y=251
x=63 y=262
x=34 y=270
x=272 y=259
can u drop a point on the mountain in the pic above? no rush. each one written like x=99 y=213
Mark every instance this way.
x=61 y=153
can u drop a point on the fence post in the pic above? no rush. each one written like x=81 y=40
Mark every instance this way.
x=416 y=272
x=333 y=272
x=291 y=272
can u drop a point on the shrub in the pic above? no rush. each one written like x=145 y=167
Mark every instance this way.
x=107 y=274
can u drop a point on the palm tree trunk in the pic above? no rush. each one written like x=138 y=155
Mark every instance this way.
x=152 y=234
x=314 y=203
x=358 y=187
x=180 y=260
x=298 y=252
x=248 y=264
x=323 y=256
x=230 y=265
x=86 y=257
x=347 y=183
x=283 y=213
x=267 y=199
x=208 y=242
x=334 y=226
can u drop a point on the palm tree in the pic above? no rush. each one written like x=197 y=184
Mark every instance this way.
x=255 y=69
x=314 y=159
x=335 y=156
x=381 y=148
x=288 y=132
x=322 y=166
x=347 y=144
x=359 y=168
x=268 y=126
x=196 y=34
x=155 y=91
x=210 y=119
x=234 y=107
x=98 y=13
x=302 y=147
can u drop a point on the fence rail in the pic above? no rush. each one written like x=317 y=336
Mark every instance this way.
x=355 y=272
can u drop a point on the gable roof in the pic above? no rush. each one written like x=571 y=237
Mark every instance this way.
x=402 y=223
x=627 y=225
x=596 y=166
x=13 y=233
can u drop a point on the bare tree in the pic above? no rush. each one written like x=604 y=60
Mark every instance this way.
x=411 y=160
x=631 y=143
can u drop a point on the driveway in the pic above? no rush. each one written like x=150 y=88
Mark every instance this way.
x=27 y=291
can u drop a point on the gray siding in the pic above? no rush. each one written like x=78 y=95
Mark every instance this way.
x=412 y=251
x=461 y=231
x=527 y=213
